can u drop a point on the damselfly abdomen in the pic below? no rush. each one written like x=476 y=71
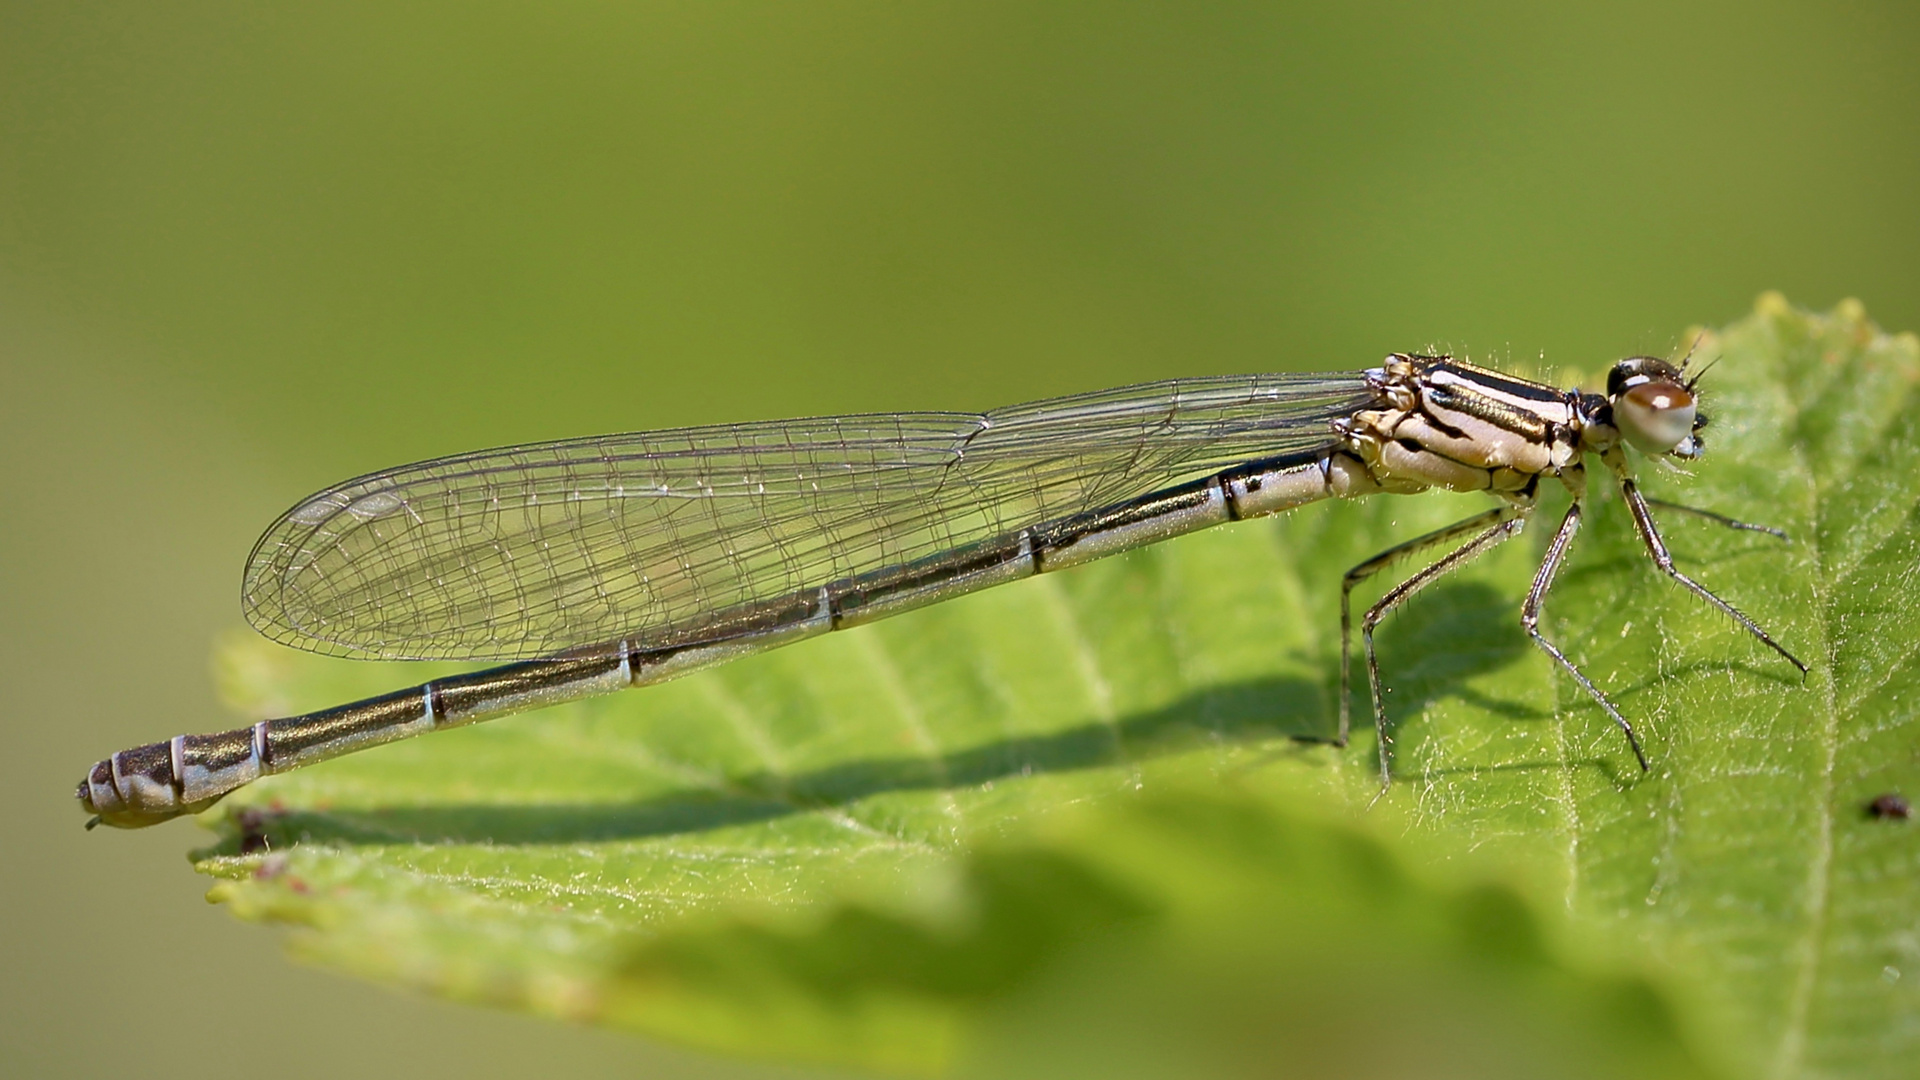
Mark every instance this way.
x=605 y=563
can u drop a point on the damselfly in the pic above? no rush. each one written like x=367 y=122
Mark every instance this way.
x=605 y=563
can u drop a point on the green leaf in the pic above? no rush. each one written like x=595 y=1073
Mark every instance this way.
x=1185 y=933
x=902 y=847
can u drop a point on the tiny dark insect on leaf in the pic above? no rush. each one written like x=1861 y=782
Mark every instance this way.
x=1890 y=807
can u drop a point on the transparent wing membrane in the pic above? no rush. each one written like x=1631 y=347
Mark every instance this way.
x=661 y=538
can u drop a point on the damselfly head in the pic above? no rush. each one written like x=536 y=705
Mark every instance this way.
x=1653 y=406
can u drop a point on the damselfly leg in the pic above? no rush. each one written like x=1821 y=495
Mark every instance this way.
x=1719 y=519
x=1493 y=526
x=1489 y=529
x=1657 y=549
x=1530 y=620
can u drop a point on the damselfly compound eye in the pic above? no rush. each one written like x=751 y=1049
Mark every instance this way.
x=1652 y=407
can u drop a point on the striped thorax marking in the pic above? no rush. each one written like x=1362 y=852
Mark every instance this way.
x=1448 y=424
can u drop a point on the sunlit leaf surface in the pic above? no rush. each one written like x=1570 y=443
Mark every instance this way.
x=873 y=847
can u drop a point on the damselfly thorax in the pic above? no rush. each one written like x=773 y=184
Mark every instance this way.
x=605 y=563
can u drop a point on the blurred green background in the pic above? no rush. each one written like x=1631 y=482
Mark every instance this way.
x=245 y=252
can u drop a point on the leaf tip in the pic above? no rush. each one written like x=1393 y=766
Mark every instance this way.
x=1773 y=305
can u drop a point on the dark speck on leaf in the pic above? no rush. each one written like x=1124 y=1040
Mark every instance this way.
x=1890 y=807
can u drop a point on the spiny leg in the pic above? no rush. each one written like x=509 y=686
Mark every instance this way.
x=1373 y=566
x=1530 y=619
x=1657 y=548
x=1507 y=522
x=1722 y=519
